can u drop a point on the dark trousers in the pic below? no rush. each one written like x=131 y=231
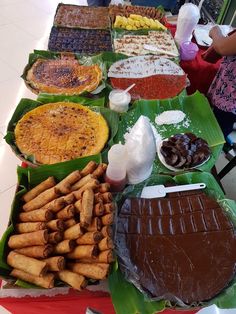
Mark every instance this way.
x=225 y=120
x=98 y=3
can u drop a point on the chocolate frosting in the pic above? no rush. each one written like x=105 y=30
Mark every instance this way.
x=180 y=248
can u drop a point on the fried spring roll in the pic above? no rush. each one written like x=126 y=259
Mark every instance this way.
x=98 y=198
x=90 y=238
x=56 y=224
x=93 y=271
x=69 y=198
x=37 y=251
x=76 y=281
x=28 y=264
x=73 y=232
x=41 y=187
x=103 y=188
x=65 y=185
x=84 y=251
x=87 y=208
x=107 y=231
x=105 y=244
x=107 y=219
x=42 y=199
x=78 y=206
x=55 y=263
x=98 y=209
x=104 y=257
x=107 y=197
x=66 y=213
x=46 y=281
x=95 y=225
x=36 y=216
x=93 y=184
x=26 y=227
x=82 y=182
x=18 y=241
x=100 y=170
x=55 y=205
x=55 y=237
x=63 y=247
x=109 y=208
x=69 y=223
x=91 y=166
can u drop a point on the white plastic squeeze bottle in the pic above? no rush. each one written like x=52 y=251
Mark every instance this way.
x=116 y=170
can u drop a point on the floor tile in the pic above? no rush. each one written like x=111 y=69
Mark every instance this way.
x=17 y=57
x=4 y=20
x=11 y=35
x=36 y=26
x=8 y=162
x=21 y=10
x=7 y=2
x=5 y=209
x=7 y=72
x=229 y=181
x=10 y=94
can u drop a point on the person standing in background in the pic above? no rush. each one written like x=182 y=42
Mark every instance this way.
x=222 y=92
x=98 y=3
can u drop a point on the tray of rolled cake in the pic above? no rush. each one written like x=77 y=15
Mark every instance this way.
x=62 y=230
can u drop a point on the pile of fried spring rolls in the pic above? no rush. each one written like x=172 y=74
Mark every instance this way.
x=64 y=230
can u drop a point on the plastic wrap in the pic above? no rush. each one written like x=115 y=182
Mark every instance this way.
x=140 y=151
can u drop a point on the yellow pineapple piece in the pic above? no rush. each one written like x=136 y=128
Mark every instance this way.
x=135 y=16
x=160 y=25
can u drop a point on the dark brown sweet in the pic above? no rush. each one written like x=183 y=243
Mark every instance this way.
x=180 y=248
x=79 y=40
x=185 y=151
x=76 y=16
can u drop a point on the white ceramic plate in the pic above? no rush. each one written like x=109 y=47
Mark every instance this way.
x=162 y=160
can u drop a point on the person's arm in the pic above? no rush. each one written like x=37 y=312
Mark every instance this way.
x=225 y=46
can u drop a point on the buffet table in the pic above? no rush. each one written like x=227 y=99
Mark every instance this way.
x=200 y=74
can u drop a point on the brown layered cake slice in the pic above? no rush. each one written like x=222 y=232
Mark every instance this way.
x=68 y=15
x=180 y=248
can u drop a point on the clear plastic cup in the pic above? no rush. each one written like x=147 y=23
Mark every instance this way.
x=119 y=100
x=188 y=50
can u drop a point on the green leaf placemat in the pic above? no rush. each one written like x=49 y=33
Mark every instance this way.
x=28 y=178
x=26 y=105
x=126 y=298
x=199 y=120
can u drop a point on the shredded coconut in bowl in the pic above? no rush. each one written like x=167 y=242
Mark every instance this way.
x=170 y=117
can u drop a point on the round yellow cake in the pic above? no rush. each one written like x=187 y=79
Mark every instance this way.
x=61 y=131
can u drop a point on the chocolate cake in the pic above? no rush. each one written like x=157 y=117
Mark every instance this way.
x=180 y=248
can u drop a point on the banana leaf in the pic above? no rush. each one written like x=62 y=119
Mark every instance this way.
x=104 y=60
x=45 y=98
x=199 y=120
x=44 y=54
x=26 y=105
x=28 y=178
x=125 y=297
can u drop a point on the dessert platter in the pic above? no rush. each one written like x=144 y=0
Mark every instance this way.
x=72 y=223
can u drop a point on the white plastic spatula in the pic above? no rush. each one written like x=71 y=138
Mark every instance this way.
x=161 y=190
